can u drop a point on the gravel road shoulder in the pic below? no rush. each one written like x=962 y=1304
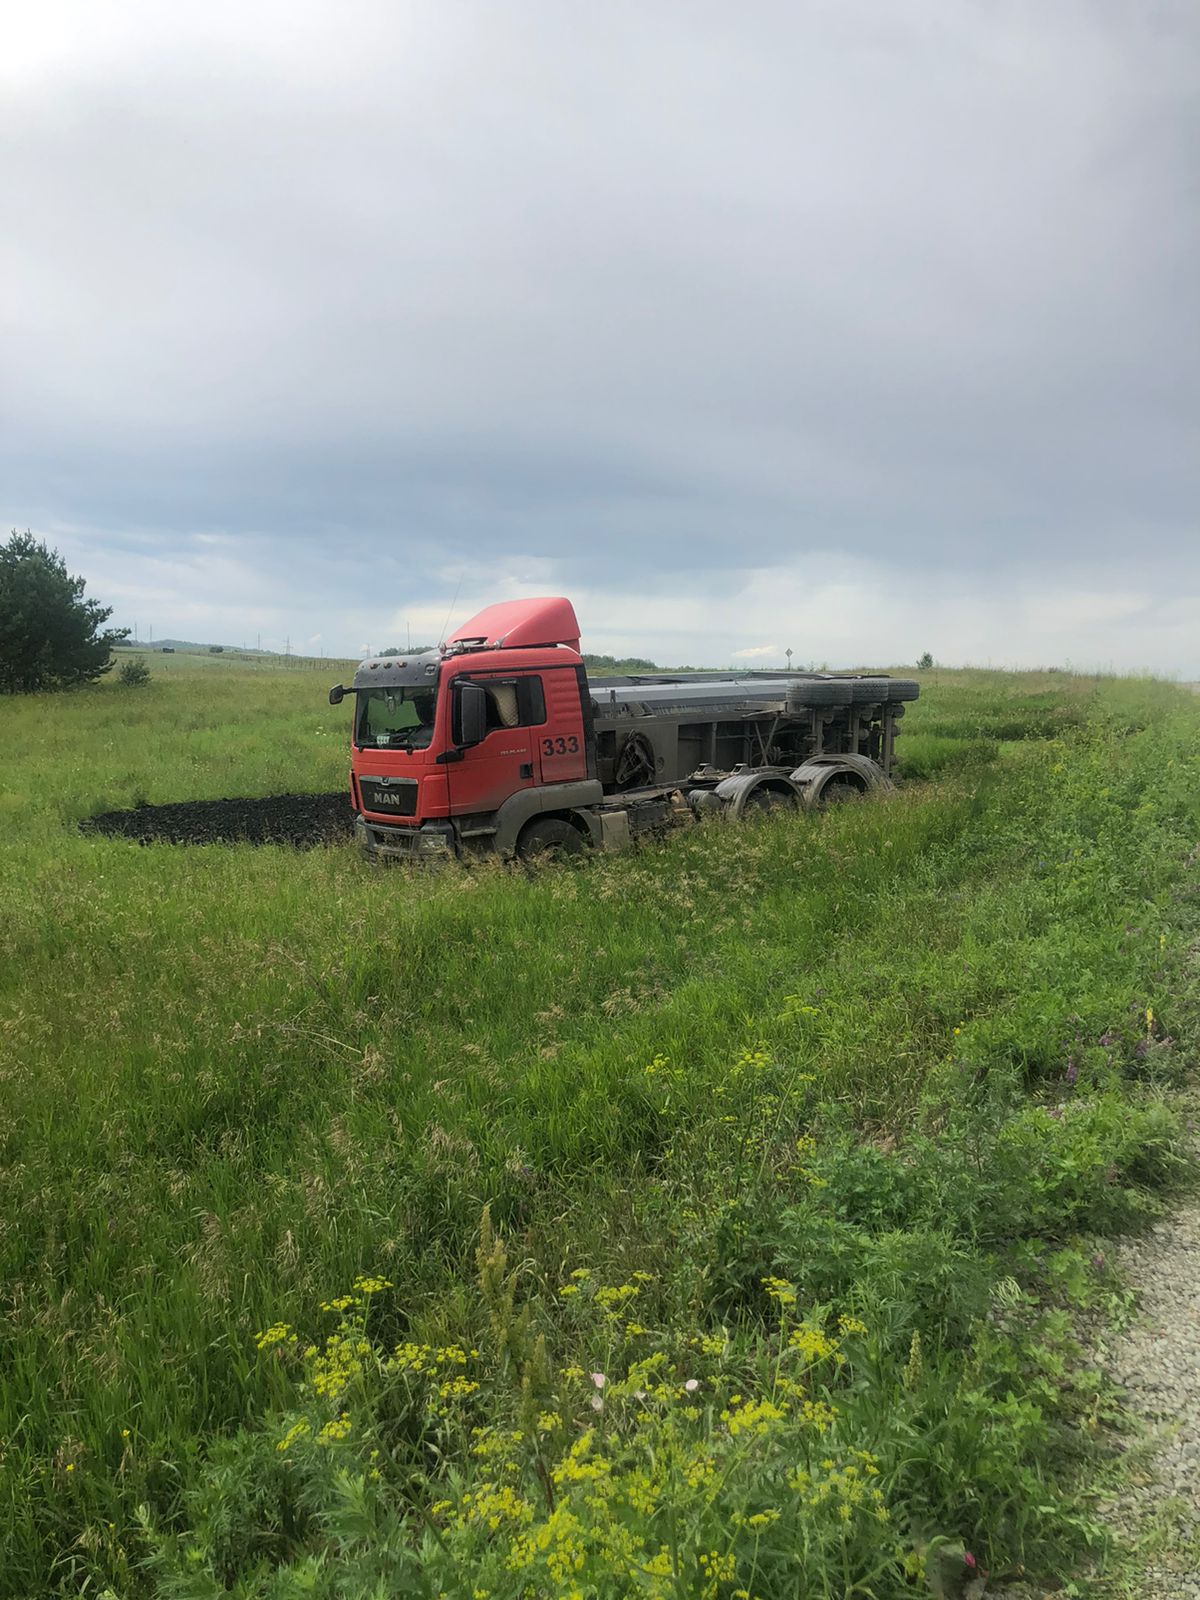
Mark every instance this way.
x=1156 y=1360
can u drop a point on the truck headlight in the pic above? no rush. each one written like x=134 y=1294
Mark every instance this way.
x=434 y=844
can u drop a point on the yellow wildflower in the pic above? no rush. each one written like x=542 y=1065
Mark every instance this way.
x=610 y=1299
x=296 y=1431
x=780 y=1290
x=811 y=1343
x=752 y=1416
x=339 y=1428
x=457 y=1388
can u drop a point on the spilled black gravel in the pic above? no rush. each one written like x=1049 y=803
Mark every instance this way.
x=300 y=820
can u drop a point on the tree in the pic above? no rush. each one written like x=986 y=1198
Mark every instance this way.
x=50 y=636
x=926 y=662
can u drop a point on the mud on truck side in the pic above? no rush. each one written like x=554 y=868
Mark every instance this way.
x=499 y=741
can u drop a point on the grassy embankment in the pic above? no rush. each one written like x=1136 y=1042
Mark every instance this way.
x=893 y=1065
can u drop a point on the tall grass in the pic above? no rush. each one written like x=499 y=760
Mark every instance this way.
x=234 y=1078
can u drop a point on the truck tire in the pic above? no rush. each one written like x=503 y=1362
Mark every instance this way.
x=547 y=838
x=766 y=798
x=869 y=691
x=802 y=696
x=903 y=689
x=635 y=768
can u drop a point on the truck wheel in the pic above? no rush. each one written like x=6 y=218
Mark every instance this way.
x=766 y=799
x=840 y=790
x=635 y=764
x=548 y=838
x=903 y=689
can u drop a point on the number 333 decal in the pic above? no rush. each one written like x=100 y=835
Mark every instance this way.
x=561 y=747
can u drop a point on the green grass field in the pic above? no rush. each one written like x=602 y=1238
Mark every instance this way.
x=897 y=1064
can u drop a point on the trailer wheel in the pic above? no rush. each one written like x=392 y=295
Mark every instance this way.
x=768 y=799
x=635 y=764
x=841 y=789
x=549 y=837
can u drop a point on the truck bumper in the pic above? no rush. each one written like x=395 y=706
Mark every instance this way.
x=430 y=842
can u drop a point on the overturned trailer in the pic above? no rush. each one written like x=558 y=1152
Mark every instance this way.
x=500 y=741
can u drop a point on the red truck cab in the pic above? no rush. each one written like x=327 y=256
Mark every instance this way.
x=467 y=744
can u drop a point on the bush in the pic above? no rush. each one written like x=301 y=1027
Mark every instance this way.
x=804 y=1451
x=134 y=672
x=685 y=1463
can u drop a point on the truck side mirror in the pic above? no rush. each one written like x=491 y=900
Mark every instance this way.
x=472 y=715
x=336 y=695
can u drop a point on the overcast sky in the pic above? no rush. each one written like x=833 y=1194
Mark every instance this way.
x=857 y=328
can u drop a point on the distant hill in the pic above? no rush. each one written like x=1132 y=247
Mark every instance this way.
x=191 y=644
x=194 y=647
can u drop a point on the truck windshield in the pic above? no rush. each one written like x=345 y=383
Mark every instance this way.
x=399 y=718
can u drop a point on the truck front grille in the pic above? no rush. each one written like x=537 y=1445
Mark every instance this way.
x=395 y=797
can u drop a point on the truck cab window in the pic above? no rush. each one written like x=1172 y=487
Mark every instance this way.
x=400 y=718
x=513 y=702
x=503 y=711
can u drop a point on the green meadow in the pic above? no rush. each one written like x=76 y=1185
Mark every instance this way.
x=717 y=1219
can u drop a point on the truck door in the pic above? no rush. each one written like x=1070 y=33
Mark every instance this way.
x=503 y=763
x=561 y=742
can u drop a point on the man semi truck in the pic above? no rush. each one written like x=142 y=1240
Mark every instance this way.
x=499 y=741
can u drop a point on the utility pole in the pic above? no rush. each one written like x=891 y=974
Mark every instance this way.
x=788 y=654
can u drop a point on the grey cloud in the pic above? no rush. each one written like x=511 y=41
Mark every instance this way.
x=697 y=289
